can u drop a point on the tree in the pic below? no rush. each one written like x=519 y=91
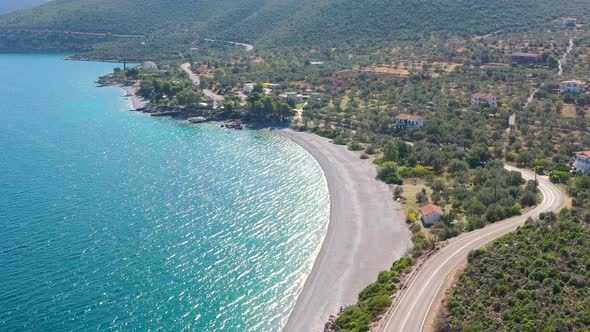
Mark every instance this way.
x=559 y=176
x=422 y=196
x=187 y=97
x=474 y=207
x=388 y=173
x=528 y=199
x=398 y=191
x=391 y=151
x=457 y=166
x=258 y=88
x=524 y=158
x=218 y=74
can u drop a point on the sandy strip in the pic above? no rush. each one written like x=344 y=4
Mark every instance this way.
x=136 y=101
x=367 y=233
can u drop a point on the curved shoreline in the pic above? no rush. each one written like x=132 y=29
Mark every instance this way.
x=366 y=233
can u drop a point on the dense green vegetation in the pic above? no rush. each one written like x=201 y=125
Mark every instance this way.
x=264 y=108
x=532 y=280
x=288 y=23
x=171 y=90
x=473 y=189
x=373 y=300
x=535 y=279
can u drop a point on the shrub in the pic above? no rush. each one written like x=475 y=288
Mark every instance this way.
x=388 y=173
x=339 y=140
x=355 y=146
x=476 y=253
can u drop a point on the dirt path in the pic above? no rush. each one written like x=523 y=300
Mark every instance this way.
x=561 y=62
x=247 y=47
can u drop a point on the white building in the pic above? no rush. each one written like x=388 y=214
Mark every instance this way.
x=575 y=87
x=582 y=162
x=248 y=88
x=569 y=22
x=483 y=99
x=150 y=65
x=294 y=96
x=431 y=213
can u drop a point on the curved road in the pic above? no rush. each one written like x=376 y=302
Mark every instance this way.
x=196 y=79
x=413 y=308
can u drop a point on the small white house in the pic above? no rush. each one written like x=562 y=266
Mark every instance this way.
x=569 y=22
x=150 y=65
x=574 y=87
x=483 y=99
x=582 y=162
x=248 y=88
x=294 y=96
x=431 y=213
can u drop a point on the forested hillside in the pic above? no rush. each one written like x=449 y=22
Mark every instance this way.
x=283 y=23
x=7 y=6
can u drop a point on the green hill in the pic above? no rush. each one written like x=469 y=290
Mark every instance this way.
x=287 y=23
x=7 y=6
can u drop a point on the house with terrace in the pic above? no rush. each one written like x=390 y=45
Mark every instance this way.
x=582 y=162
x=573 y=87
x=404 y=121
x=484 y=99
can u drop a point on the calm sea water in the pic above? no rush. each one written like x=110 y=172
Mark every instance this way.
x=113 y=220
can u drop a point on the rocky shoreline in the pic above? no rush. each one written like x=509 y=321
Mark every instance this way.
x=192 y=115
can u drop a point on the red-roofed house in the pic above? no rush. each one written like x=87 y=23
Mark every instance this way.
x=526 y=57
x=431 y=213
x=403 y=121
x=484 y=99
x=582 y=162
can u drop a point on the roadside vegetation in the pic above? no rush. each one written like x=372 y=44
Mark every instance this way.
x=374 y=300
x=534 y=279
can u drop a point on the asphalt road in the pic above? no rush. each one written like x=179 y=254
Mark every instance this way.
x=411 y=311
x=212 y=96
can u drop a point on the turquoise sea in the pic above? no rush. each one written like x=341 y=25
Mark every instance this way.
x=114 y=220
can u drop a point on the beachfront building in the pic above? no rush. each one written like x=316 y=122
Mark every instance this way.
x=582 y=162
x=150 y=65
x=484 y=99
x=429 y=214
x=574 y=87
x=248 y=88
x=404 y=121
x=526 y=58
x=569 y=22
